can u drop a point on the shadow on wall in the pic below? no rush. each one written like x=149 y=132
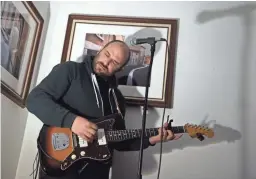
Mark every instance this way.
x=245 y=12
x=129 y=168
x=222 y=133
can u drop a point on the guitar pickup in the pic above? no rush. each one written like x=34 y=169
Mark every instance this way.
x=101 y=137
x=82 y=142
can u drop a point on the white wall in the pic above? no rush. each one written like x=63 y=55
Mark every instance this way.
x=14 y=118
x=214 y=82
x=13 y=124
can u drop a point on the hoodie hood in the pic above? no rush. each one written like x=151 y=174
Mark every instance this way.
x=88 y=60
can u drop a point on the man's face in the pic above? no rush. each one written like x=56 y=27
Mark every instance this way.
x=110 y=59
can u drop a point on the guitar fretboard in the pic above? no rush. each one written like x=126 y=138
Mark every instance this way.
x=120 y=135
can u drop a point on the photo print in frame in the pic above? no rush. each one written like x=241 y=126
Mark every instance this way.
x=87 y=34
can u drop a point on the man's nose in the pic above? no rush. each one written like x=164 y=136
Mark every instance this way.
x=106 y=62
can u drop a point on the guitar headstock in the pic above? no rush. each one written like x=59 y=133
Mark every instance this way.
x=198 y=131
x=194 y=130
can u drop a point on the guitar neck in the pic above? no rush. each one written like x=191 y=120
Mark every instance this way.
x=120 y=135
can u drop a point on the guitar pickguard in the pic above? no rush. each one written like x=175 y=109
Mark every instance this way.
x=97 y=150
x=60 y=141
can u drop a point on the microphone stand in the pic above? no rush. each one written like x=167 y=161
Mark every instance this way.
x=152 y=43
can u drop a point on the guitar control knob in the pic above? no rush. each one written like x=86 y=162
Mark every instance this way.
x=73 y=157
x=82 y=153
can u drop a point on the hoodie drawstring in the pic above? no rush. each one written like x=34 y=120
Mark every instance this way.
x=110 y=90
x=98 y=95
x=116 y=102
x=95 y=83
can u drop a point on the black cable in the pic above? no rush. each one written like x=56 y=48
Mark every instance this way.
x=37 y=160
x=161 y=143
x=37 y=165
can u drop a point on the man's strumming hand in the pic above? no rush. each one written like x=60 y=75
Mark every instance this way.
x=84 y=128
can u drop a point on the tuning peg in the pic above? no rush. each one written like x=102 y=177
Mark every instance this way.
x=168 y=119
x=200 y=136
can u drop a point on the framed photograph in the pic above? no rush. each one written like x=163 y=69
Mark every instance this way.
x=87 y=35
x=21 y=28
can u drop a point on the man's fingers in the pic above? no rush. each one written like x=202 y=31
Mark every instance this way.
x=93 y=126
x=165 y=134
x=88 y=139
x=91 y=131
x=89 y=135
x=165 y=125
x=160 y=130
x=170 y=135
x=84 y=137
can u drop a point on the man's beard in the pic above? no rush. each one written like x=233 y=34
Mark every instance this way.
x=95 y=64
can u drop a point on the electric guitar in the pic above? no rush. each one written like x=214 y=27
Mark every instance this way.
x=60 y=148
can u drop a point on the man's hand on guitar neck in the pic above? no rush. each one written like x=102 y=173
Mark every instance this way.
x=167 y=135
x=84 y=128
